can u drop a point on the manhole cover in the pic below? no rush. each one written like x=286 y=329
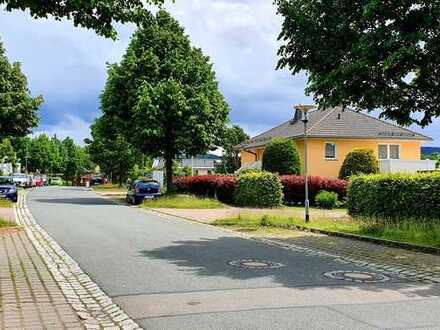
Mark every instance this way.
x=254 y=264
x=354 y=276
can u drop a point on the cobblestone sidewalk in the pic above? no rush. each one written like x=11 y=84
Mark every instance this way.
x=29 y=296
x=91 y=305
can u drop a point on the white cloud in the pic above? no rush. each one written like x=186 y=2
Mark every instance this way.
x=71 y=126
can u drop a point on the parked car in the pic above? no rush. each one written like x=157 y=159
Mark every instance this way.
x=20 y=179
x=97 y=180
x=139 y=190
x=8 y=189
x=56 y=181
x=38 y=181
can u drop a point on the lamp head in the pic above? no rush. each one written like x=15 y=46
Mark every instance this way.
x=304 y=109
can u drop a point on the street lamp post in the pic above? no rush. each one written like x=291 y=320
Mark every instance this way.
x=304 y=110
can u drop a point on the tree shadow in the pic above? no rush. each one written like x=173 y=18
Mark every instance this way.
x=210 y=257
x=77 y=201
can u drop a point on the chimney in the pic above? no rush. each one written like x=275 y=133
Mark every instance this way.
x=297 y=116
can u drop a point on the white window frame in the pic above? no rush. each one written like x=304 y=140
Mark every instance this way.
x=325 y=151
x=388 y=146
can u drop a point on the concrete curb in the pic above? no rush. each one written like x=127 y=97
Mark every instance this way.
x=88 y=300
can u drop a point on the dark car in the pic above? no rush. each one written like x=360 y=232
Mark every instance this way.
x=8 y=189
x=98 y=180
x=139 y=190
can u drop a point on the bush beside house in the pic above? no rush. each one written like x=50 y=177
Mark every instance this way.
x=359 y=161
x=293 y=188
x=221 y=187
x=326 y=200
x=281 y=156
x=395 y=196
x=259 y=189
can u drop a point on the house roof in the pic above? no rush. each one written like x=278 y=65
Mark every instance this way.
x=336 y=123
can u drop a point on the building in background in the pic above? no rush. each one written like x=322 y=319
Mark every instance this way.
x=198 y=165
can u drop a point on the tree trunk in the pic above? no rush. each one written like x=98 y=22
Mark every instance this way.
x=169 y=173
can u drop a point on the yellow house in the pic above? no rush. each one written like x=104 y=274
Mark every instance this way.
x=334 y=132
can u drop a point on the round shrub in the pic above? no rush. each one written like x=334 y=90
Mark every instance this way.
x=359 y=161
x=281 y=156
x=326 y=200
x=259 y=189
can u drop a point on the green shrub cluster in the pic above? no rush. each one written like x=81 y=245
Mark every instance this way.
x=281 y=156
x=395 y=196
x=359 y=161
x=326 y=200
x=259 y=189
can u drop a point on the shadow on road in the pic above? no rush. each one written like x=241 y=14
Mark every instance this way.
x=77 y=201
x=210 y=257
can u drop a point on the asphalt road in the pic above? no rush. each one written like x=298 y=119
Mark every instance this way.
x=173 y=274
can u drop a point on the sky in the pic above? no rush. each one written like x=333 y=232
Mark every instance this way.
x=67 y=65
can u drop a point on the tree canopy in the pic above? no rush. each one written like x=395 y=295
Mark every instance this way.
x=164 y=96
x=99 y=15
x=233 y=136
x=18 y=109
x=111 y=151
x=368 y=54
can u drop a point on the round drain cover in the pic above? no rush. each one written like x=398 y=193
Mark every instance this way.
x=254 y=264
x=355 y=276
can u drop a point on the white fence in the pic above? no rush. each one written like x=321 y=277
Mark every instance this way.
x=409 y=166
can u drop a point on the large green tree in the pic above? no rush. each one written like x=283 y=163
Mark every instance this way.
x=99 y=15
x=111 y=151
x=233 y=136
x=164 y=94
x=368 y=54
x=7 y=153
x=18 y=109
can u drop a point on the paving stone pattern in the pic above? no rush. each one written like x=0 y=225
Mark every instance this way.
x=91 y=304
x=29 y=296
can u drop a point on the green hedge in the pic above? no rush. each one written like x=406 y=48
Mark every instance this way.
x=395 y=196
x=357 y=162
x=259 y=189
x=281 y=156
x=326 y=200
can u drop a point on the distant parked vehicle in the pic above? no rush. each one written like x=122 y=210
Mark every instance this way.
x=139 y=190
x=55 y=181
x=8 y=189
x=20 y=179
x=97 y=180
x=38 y=181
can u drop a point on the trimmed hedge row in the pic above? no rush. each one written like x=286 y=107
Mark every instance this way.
x=395 y=196
x=223 y=187
x=293 y=187
x=259 y=189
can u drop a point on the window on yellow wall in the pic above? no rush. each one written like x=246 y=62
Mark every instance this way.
x=389 y=151
x=383 y=151
x=394 y=151
x=330 y=150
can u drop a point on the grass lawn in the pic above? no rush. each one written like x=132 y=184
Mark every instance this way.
x=4 y=223
x=5 y=203
x=183 y=202
x=109 y=188
x=408 y=231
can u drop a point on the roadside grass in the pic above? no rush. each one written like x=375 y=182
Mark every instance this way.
x=5 y=223
x=5 y=203
x=183 y=202
x=413 y=231
x=109 y=187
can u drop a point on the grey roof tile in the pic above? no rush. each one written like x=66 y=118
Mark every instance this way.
x=337 y=123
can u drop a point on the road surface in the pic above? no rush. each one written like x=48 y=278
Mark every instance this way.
x=173 y=274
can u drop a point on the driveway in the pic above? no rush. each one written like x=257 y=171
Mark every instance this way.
x=173 y=274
